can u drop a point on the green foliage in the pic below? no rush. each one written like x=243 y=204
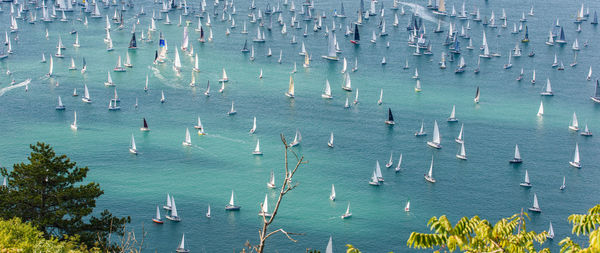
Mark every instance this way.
x=477 y=235
x=584 y=224
x=49 y=193
x=16 y=236
x=351 y=249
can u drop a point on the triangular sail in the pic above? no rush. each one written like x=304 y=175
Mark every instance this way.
x=436 y=133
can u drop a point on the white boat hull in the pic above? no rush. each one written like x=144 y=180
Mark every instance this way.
x=434 y=145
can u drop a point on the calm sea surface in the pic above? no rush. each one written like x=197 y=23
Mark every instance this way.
x=206 y=172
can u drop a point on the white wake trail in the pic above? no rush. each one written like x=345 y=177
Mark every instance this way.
x=21 y=84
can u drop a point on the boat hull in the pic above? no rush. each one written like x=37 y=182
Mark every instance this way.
x=173 y=218
x=232 y=208
x=429 y=179
x=534 y=209
x=515 y=160
x=434 y=145
x=157 y=221
x=575 y=164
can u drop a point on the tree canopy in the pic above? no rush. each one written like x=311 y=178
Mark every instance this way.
x=49 y=192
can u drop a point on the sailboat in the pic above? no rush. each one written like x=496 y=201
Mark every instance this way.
x=208 y=212
x=188 y=138
x=517 y=157
x=127 y=62
x=109 y=81
x=541 y=109
x=416 y=76
x=476 y=99
x=331 y=52
x=355 y=65
x=435 y=141
x=49 y=74
x=257 y=149
x=72 y=66
x=390 y=120
x=509 y=64
x=224 y=77
x=356 y=40
x=355 y=97
x=550 y=234
x=398 y=168
x=290 y=92
x=548 y=89
x=232 y=111
x=271 y=183
x=74 y=124
x=264 y=211
x=574 y=123
x=461 y=152
x=297 y=139
x=327 y=92
x=86 y=94
x=144 y=127
x=378 y=172
x=157 y=218
x=526 y=182
x=595 y=97
x=421 y=131
x=173 y=215
x=119 y=67
x=407 y=207
x=586 y=131
x=330 y=142
x=231 y=206
x=181 y=248
x=132 y=147
x=536 y=206
x=347 y=214
x=332 y=194
x=429 y=175
x=452 y=117
x=576 y=163
x=60 y=106
x=168 y=205
x=563 y=186
x=162 y=97
x=418 y=86
x=347 y=86
x=589 y=75
x=390 y=162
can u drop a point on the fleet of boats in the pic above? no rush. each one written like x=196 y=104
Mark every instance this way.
x=457 y=22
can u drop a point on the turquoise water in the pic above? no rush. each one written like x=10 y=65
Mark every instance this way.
x=206 y=173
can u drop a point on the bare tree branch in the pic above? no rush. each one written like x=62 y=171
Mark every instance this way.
x=285 y=188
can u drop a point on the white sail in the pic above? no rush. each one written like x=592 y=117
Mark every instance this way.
x=536 y=205
x=257 y=148
x=574 y=122
x=265 y=205
x=133 y=146
x=188 y=138
x=329 y=248
x=436 y=133
x=576 y=155
x=327 y=92
x=173 y=208
x=332 y=194
x=526 y=180
x=517 y=153
x=541 y=109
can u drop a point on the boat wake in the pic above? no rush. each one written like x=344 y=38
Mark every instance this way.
x=163 y=79
x=226 y=138
x=422 y=11
x=21 y=84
